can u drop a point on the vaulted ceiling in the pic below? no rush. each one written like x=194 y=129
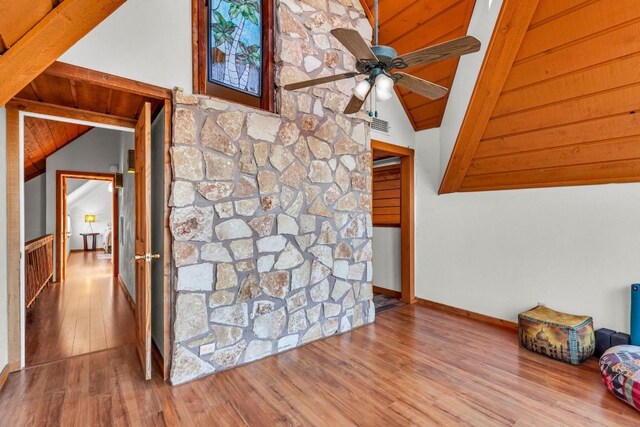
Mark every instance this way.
x=408 y=25
x=62 y=85
x=566 y=112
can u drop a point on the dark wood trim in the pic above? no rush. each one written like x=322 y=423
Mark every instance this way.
x=167 y=255
x=132 y=303
x=202 y=85
x=61 y=202
x=14 y=214
x=407 y=212
x=466 y=313
x=70 y=113
x=387 y=292
x=109 y=81
x=511 y=27
x=4 y=374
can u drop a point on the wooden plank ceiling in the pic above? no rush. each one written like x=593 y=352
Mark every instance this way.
x=43 y=138
x=567 y=112
x=408 y=25
x=58 y=86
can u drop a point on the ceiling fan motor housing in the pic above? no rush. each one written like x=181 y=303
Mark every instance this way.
x=386 y=56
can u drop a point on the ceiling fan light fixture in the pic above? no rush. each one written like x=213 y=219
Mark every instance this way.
x=383 y=94
x=362 y=90
x=384 y=82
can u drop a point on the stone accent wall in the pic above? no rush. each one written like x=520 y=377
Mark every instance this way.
x=271 y=212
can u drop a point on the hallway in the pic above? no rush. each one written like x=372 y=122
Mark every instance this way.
x=86 y=313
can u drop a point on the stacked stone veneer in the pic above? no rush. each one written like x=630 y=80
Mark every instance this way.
x=271 y=215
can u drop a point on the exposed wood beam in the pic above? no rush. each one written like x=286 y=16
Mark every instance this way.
x=74 y=92
x=70 y=113
x=51 y=37
x=109 y=81
x=36 y=91
x=507 y=37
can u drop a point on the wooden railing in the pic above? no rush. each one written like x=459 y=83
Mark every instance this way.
x=38 y=266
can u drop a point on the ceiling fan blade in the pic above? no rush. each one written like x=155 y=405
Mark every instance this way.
x=321 y=80
x=353 y=41
x=446 y=50
x=420 y=86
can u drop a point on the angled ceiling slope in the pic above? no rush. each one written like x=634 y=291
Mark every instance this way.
x=566 y=113
x=34 y=33
x=408 y=25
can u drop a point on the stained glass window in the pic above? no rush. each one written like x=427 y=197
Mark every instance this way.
x=235 y=58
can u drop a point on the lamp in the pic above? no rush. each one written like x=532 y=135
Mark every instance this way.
x=90 y=219
x=384 y=86
x=362 y=89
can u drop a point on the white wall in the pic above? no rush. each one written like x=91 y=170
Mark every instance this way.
x=386 y=259
x=95 y=151
x=485 y=14
x=400 y=129
x=498 y=253
x=34 y=206
x=4 y=330
x=94 y=200
x=148 y=41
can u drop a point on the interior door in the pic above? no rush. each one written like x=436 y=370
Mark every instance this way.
x=143 y=256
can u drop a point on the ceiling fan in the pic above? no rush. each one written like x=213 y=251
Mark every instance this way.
x=378 y=61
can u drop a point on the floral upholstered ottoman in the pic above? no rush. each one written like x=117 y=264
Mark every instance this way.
x=558 y=335
x=620 y=368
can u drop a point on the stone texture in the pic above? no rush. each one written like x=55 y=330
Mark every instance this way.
x=215 y=252
x=191 y=316
x=269 y=286
x=235 y=315
x=261 y=127
x=182 y=194
x=275 y=284
x=233 y=229
x=187 y=163
x=186 y=366
x=226 y=276
x=270 y=325
x=232 y=123
x=211 y=138
x=197 y=277
x=219 y=167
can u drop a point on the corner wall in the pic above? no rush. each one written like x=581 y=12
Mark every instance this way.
x=271 y=219
x=4 y=326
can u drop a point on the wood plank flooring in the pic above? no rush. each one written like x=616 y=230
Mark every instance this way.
x=414 y=366
x=88 y=312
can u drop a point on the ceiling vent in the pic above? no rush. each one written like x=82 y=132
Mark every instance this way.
x=380 y=125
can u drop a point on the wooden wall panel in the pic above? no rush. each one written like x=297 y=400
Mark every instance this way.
x=386 y=195
x=567 y=113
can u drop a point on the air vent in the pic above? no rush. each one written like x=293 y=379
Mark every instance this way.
x=380 y=125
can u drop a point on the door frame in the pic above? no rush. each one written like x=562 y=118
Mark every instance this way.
x=15 y=111
x=61 y=214
x=407 y=214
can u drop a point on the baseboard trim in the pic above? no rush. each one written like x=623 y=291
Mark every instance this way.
x=126 y=293
x=4 y=374
x=466 y=313
x=387 y=292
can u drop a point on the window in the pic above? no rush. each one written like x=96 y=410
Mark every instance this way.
x=233 y=50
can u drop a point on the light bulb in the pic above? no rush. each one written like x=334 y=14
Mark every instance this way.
x=362 y=90
x=383 y=94
x=384 y=82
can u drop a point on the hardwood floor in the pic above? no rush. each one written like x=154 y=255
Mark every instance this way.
x=88 y=312
x=414 y=366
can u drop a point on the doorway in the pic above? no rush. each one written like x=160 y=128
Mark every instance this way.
x=393 y=222
x=91 y=98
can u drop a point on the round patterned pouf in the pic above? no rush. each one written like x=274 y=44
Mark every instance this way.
x=620 y=368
